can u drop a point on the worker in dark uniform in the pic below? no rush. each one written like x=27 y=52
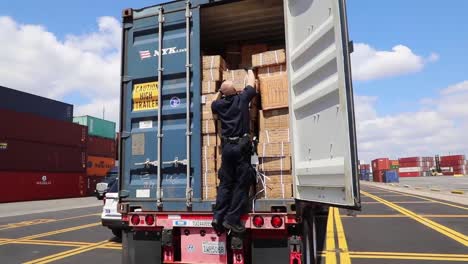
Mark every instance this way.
x=236 y=173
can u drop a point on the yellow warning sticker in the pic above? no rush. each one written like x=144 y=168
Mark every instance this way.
x=145 y=96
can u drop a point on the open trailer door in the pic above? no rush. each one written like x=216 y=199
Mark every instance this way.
x=321 y=102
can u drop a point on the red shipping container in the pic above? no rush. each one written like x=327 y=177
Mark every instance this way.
x=452 y=157
x=102 y=147
x=448 y=173
x=377 y=176
x=16 y=155
x=394 y=163
x=410 y=174
x=410 y=159
x=28 y=186
x=381 y=164
x=417 y=164
x=448 y=163
x=30 y=127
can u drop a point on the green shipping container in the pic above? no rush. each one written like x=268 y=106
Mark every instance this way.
x=96 y=126
x=394 y=167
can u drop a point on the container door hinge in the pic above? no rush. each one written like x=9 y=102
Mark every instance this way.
x=126 y=78
x=128 y=25
x=125 y=134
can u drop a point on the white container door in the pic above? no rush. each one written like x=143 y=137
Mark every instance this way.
x=321 y=102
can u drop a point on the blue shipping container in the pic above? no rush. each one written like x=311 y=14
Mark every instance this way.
x=160 y=121
x=28 y=103
x=391 y=176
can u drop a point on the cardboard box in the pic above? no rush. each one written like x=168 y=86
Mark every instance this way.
x=272 y=136
x=211 y=139
x=269 y=58
x=212 y=74
x=209 y=152
x=275 y=164
x=277 y=186
x=279 y=149
x=210 y=87
x=207 y=114
x=271 y=70
x=248 y=50
x=208 y=126
x=274 y=91
x=209 y=166
x=238 y=78
x=214 y=62
x=274 y=119
x=209 y=192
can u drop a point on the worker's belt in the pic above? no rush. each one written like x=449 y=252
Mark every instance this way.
x=233 y=139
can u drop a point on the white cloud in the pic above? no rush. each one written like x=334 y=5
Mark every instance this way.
x=369 y=63
x=439 y=127
x=36 y=61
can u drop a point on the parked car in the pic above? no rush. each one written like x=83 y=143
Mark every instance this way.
x=103 y=186
x=110 y=217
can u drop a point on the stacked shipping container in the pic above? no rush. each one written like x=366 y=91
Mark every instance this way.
x=100 y=149
x=454 y=165
x=383 y=170
x=41 y=156
x=415 y=166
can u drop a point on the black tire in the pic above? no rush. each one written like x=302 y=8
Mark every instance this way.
x=117 y=232
x=309 y=249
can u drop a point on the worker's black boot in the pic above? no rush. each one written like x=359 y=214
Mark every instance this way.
x=234 y=228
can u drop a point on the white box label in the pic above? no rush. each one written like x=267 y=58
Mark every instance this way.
x=143 y=193
x=146 y=124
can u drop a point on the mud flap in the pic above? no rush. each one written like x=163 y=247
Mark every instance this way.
x=270 y=251
x=141 y=247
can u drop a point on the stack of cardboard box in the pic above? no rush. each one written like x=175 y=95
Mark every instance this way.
x=213 y=67
x=274 y=147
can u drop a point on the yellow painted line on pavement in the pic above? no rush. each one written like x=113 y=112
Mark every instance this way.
x=435 y=201
x=60 y=231
x=409 y=256
x=435 y=189
x=330 y=255
x=457 y=192
x=26 y=223
x=375 y=216
x=66 y=254
x=425 y=221
x=402 y=202
x=40 y=221
x=342 y=244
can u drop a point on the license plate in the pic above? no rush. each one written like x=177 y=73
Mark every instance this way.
x=214 y=248
x=107 y=211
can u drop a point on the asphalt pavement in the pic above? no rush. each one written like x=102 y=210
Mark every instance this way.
x=393 y=227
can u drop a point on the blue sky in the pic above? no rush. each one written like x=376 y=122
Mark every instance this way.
x=404 y=51
x=425 y=27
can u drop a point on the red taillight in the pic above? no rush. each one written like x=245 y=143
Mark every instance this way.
x=135 y=220
x=276 y=221
x=149 y=219
x=258 y=221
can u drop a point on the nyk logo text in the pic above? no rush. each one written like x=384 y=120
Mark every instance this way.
x=145 y=54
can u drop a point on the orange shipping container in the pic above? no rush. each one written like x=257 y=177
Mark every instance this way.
x=99 y=166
